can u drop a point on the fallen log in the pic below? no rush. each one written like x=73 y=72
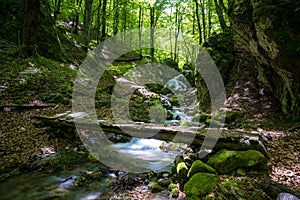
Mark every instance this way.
x=194 y=136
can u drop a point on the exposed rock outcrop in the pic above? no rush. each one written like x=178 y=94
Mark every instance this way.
x=269 y=29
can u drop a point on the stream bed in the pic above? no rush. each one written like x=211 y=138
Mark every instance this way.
x=63 y=185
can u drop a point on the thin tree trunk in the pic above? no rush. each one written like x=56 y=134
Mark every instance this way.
x=220 y=16
x=124 y=14
x=198 y=22
x=170 y=34
x=152 y=25
x=203 y=19
x=87 y=23
x=76 y=24
x=140 y=32
x=209 y=19
x=30 y=27
x=98 y=19
x=116 y=17
x=103 y=25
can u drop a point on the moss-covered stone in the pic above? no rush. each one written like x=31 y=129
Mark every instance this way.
x=175 y=192
x=200 y=185
x=172 y=186
x=182 y=169
x=199 y=166
x=164 y=182
x=156 y=188
x=226 y=161
x=252 y=157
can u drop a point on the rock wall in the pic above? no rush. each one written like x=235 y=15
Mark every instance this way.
x=271 y=31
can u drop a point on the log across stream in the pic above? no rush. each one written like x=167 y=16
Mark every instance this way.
x=194 y=136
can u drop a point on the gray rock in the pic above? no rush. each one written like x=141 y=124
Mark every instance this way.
x=286 y=196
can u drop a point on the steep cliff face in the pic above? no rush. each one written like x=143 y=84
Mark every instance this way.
x=271 y=31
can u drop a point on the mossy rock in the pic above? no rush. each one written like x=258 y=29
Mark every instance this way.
x=155 y=188
x=252 y=158
x=226 y=161
x=164 y=182
x=182 y=169
x=172 y=186
x=175 y=192
x=199 y=166
x=200 y=185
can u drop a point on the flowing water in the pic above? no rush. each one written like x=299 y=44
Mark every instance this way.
x=40 y=185
x=147 y=150
x=60 y=185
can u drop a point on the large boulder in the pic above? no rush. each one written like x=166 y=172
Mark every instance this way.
x=200 y=185
x=226 y=161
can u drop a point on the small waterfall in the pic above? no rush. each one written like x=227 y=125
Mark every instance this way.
x=176 y=114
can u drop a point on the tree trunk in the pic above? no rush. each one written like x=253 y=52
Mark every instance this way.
x=87 y=23
x=209 y=19
x=98 y=19
x=203 y=19
x=78 y=3
x=103 y=25
x=30 y=27
x=220 y=16
x=116 y=17
x=152 y=25
x=140 y=31
x=198 y=22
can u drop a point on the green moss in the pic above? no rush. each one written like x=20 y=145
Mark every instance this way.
x=164 y=182
x=172 y=186
x=199 y=166
x=225 y=161
x=252 y=157
x=200 y=185
x=241 y=172
x=156 y=188
x=175 y=192
x=182 y=169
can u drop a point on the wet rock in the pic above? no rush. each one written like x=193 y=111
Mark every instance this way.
x=200 y=185
x=199 y=166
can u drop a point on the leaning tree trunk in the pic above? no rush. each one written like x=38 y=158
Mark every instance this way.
x=30 y=27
